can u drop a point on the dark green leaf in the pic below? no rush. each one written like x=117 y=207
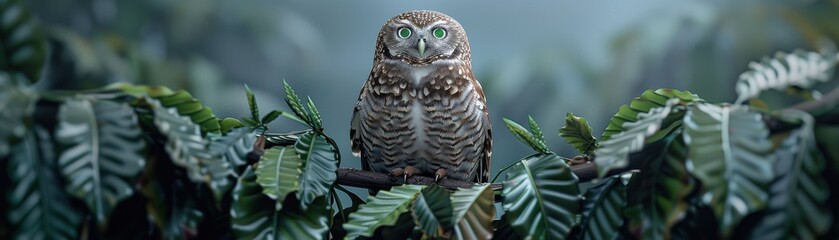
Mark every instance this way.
x=184 y=105
x=271 y=116
x=541 y=197
x=614 y=152
x=732 y=155
x=254 y=217
x=646 y=102
x=101 y=143
x=656 y=197
x=526 y=136
x=383 y=209
x=432 y=211
x=319 y=167
x=16 y=105
x=602 y=209
x=797 y=196
x=23 y=49
x=577 y=132
x=278 y=173
x=503 y=229
x=474 y=210
x=39 y=208
x=252 y=104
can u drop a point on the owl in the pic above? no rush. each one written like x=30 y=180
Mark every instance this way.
x=421 y=110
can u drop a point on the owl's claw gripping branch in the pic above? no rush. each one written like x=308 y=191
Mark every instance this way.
x=441 y=173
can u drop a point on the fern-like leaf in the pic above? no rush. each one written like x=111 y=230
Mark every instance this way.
x=800 y=69
x=577 y=132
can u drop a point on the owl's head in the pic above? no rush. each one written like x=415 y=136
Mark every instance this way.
x=422 y=37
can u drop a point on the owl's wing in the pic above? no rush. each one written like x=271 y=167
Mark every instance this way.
x=355 y=130
x=484 y=163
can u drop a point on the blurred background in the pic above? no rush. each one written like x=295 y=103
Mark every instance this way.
x=542 y=58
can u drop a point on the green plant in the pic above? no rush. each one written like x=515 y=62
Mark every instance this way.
x=150 y=162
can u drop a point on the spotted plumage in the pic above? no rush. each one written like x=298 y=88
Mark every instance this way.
x=421 y=110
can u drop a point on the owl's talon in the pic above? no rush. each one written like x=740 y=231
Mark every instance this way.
x=440 y=174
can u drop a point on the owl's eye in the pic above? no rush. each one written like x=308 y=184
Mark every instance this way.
x=404 y=32
x=439 y=33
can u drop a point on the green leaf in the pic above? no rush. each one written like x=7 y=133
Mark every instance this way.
x=541 y=197
x=271 y=116
x=432 y=211
x=23 y=49
x=278 y=173
x=38 y=207
x=656 y=198
x=732 y=155
x=503 y=229
x=250 y=122
x=577 y=132
x=228 y=152
x=294 y=103
x=784 y=70
x=646 y=102
x=527 y=137
x=602 y=210
x=184 y=105
x=797 y=196
x=252 y=104
x=319 y=167
x=314 y=115
x=228 y=124
x=647 y=126
x=473 y=210
x=188 y=148
x=101 y=143
x=17 y=103
x=534 y=129
x=383 y=209
x=254 y=217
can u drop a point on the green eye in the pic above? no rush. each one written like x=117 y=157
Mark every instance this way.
x=439 y=33
x=404 y=32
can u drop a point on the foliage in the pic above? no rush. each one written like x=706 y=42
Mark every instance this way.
x=670 y=165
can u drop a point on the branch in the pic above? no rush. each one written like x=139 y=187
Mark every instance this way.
x=380 y=181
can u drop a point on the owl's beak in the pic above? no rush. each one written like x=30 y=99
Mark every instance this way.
x=421 y=46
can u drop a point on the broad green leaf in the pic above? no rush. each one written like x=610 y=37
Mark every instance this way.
x=253 y=215
x=646 y=102
x=784 y=70
x=278 y=173
x=38 y=207
x=577 y=132
x=432 y=211
x=602 y=209
x=337 y=229
x=100 y=156
x=732 y=155
x=527 y=137
x=189 y=149
x=228 y=124
x=656 y=197
x=541 y=197
x=381 y=210
x=23 y=49
x=17 y=103
x=614 y=152
x=473 y=210
x=319 y=167
x=797 y=196
x=185 y=105
x=294 y=103
x=252 y=103
x=233 y=148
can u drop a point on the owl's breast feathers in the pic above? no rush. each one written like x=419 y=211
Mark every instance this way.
x=430 y=117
